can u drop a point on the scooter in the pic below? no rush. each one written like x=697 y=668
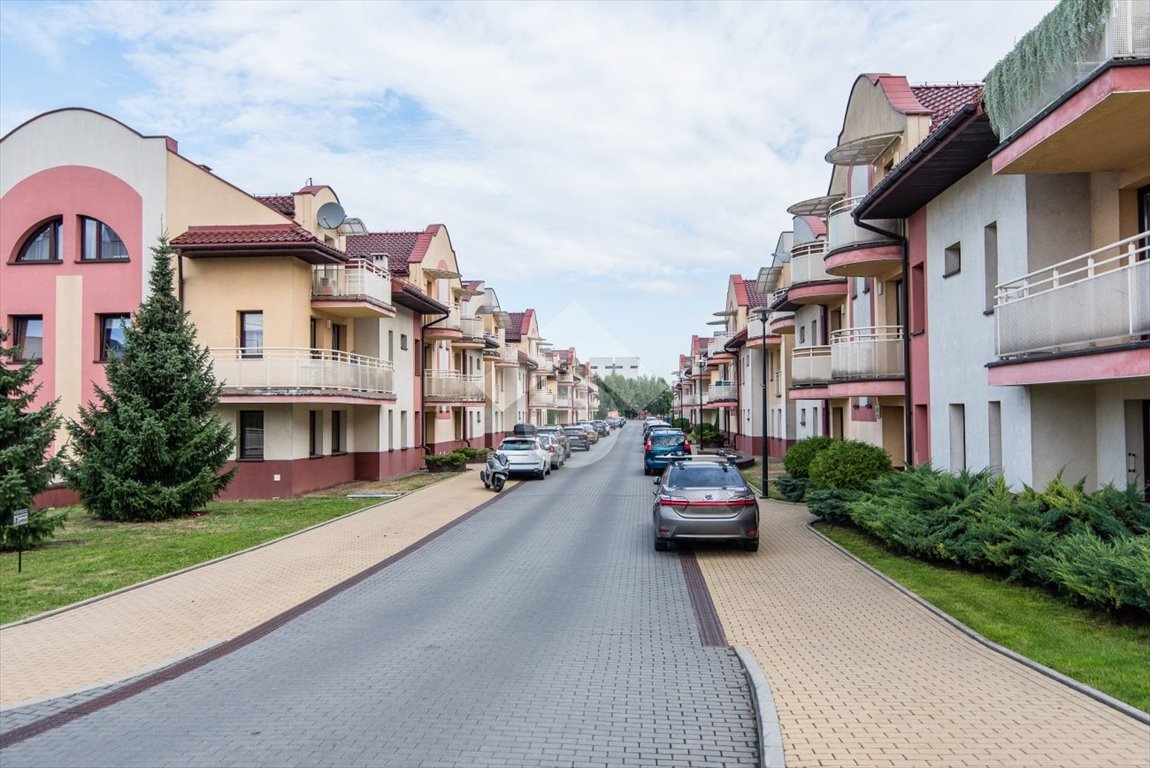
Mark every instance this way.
x=495 y=474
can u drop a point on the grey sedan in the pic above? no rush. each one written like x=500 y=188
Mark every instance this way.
x=704 y=499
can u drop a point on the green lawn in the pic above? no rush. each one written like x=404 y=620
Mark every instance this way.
x=1082 y=644
x=89 y=557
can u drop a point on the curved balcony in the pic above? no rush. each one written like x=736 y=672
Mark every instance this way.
x=856 y=252
x=723 y=392
x=811 y=366
x=471 y=333
x=810 y=281
x=300 y=372
x=452 y=386
x=781 y=322
x=542 y=398
x=447 y=328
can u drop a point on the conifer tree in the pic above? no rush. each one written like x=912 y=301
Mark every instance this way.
x=25 y=437
x=151 y=446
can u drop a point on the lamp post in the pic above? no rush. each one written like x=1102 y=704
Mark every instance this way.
x=701 y=362
x=762 y=312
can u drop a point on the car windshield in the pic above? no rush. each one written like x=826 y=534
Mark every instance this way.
x=664 y=439
x=517 y=445
x=573 y=431
x=696 y=476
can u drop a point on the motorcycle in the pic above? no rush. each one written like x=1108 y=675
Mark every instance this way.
x=495 y=473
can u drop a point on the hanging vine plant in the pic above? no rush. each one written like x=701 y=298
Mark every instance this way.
x=1055 y=45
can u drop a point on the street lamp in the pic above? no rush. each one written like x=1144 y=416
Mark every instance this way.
x=762 y=313
x=701 y=362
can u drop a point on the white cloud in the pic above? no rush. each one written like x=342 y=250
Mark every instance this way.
x=655 y=143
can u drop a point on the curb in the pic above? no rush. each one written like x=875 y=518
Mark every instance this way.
x=1110 y=701
x=767 y=717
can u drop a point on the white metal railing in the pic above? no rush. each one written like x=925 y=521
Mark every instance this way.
x=295 y=369
x=842 y=232
x=563 y=401
x=471 y=326
x=452 y=385
x=807 y=263
x=718 y=341
x=721 y=392
x=542 y=397
x=867 y=353
x=811 y=365
x=357 y=278
x=1100 y=296
x=451 y=322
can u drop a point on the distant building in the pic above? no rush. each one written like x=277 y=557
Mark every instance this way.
x=624 y=366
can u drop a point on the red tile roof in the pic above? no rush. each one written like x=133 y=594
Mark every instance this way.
x=944 y=100
x=397 y=245
x=754 y=298
x=514 y=332
x=246 y=235
x=284 y=204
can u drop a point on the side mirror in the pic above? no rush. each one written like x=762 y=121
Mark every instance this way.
x=657 y=479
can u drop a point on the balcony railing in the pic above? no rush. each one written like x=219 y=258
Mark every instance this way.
x=811 y=365
x=722 y=392
x=359 y=278
x=450 y=323
x=1031 y=77
x=452 y=385
x=807 y=263
x=563 y=401
x=842 y=232
x=472 y=326
x=542 y=397
x=1101 y=296
x=874 y=352
x=718 y=341
x=292 y=370
x=691 y=398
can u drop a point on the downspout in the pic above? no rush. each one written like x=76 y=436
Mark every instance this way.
x=423 y=379
x=904 y=306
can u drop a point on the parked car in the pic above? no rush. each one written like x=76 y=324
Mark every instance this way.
x=592 y=433
x=662 y=445
x=526 y=454
x=602 y=427
x=561 y=436
x=656 y=424
x=578 y=438
x=554 y=448
x=704 y=499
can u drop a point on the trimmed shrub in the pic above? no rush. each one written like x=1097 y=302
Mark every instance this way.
x=792 y=488
x=1112 y=574
x=799 y=456
x=850 y=464
x=445 y=462
x=473 y=454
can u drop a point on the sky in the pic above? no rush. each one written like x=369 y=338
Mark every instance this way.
x=608 y=164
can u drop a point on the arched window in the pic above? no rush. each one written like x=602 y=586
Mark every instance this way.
x=99 y=242
x=43 y=245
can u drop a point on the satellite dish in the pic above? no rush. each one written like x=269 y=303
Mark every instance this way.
x=330 y=215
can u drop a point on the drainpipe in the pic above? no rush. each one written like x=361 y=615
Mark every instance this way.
x=423 y=378
x=904 y=305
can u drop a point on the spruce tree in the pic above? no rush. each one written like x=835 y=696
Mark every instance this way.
x=25 y=437
x=151 y=446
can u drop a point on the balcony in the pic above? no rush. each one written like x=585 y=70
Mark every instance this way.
x=1086 y=303
x=1074 y=112
x=542 y=398
x=690 y=398
x=564 y=401
x=447 y=328
x=360 y=288
x=723 y=392
x=471 y=332
x=810 y=281
x=867 y=362
x=811 y=366
x=300 y=372
x=452 y=386
x=857 y=252
x=781 y=322
x=716 y=344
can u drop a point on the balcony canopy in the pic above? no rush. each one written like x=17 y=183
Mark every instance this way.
x=816 y=206
x=864 y=151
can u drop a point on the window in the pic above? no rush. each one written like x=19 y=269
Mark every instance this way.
x=391 y=346
x=390 y=429
x=403 y=430
x=43 y=246
x=252 y=435
x=99 y=242
x=112 y=329
x=990 y=262
x=314 y=434
x=403 y=341
x=337 y=437
x=802 y=334
x=957 y=437
x=952 y=260
x=917 y=298
x=337 y=336
x=28 y=336
x=252 y=334
x=803 y=417
x=994 y=430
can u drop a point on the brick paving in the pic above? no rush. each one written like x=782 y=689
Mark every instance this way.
x=864 y=676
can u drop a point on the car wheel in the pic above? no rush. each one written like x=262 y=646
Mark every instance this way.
x=662 y=545
x=751 y=545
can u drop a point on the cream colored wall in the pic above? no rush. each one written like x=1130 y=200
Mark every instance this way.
x=1063 y=429
x=69 y=336
x=197 y=198
x=216 y=290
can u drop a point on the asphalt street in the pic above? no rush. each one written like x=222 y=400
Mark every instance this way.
x=543 y=631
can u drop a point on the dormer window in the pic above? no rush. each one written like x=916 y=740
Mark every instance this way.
x=99 y=242
x=43 y=246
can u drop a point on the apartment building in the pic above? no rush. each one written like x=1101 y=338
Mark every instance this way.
x=343 y=354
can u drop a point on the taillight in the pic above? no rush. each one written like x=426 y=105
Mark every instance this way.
x=687 y=446
x=673 y=501
x=648 y=446
x=748 y=502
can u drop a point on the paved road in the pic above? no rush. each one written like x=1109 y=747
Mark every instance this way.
x=542 y=631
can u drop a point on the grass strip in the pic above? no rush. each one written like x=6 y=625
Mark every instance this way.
x=1086 y=645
